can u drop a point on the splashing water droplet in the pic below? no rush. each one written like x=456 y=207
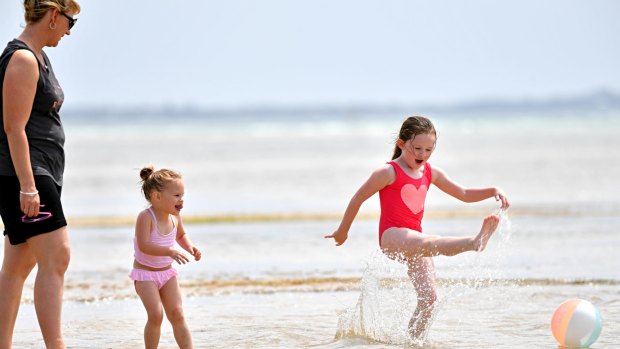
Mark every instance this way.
x=388 y=300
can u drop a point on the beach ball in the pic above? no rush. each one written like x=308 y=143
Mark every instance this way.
x=576 y=323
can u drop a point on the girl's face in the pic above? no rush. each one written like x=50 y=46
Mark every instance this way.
x=171 y=198
x=418 y=149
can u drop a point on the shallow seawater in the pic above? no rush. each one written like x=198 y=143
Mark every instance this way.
x=490 y=317
x=281 y=285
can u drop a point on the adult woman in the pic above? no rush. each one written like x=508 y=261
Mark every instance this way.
x=31 y=170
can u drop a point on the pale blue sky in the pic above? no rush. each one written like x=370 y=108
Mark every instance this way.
x=234 y=53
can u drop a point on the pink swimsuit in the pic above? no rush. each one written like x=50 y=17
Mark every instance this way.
x=157 y=238
x=402 y=202
x=159 y=277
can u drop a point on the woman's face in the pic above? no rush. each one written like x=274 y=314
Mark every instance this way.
x=64 y=23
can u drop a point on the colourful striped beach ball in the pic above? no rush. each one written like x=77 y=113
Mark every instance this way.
x=576 y=323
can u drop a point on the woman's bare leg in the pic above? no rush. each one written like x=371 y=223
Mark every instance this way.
x=17 y=264
x=51 y=250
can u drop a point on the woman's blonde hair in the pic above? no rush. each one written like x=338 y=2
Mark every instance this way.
x=34 y=10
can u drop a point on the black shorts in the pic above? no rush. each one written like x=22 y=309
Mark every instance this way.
x=14 y=225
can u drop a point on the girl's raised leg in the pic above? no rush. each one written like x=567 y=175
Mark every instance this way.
x=171 y=298
x=422 y=273
x=17 y=264
x=410 y=244
x=149 y=294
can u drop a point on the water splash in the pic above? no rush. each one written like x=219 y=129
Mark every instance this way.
x=383 y=291
x=387 y=298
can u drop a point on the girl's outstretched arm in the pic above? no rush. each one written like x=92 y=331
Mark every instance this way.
x=450 y=187
x=377 y=181
x=184 y=241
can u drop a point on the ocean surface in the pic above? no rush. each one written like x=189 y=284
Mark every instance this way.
x=261 y=192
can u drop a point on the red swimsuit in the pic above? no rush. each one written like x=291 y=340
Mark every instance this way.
x=402 y=202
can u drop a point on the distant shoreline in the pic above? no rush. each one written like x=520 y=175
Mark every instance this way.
x=593 y=101
x=108 y=221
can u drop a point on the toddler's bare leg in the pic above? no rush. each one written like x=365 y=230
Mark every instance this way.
x=171 y=297
x=149 y=294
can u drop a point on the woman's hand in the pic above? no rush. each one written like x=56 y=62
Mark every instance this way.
x=30 y=203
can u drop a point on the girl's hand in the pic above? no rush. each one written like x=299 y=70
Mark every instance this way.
x=338 y=236
x=178 y=256
x=501 y=196
x=196 y=253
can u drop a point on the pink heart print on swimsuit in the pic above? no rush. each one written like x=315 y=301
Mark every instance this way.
x=402 y=202
x=414 y=197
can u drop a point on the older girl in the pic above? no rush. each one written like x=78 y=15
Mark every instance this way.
x=402 y=185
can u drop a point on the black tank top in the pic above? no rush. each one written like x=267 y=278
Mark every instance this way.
x=46 y=136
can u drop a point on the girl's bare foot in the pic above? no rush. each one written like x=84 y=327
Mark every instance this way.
x=489 y=225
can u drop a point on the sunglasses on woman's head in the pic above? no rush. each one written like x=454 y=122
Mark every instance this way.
x=71 y=20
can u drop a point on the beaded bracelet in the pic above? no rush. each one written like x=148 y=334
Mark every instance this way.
x=33 y=193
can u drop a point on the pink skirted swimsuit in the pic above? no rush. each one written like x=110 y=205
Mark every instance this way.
x=402 y=202
x=159 y=277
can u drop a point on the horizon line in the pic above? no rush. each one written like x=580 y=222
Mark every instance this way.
x=598 y=99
